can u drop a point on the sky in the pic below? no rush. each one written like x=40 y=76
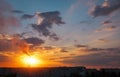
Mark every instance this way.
x=60 y=32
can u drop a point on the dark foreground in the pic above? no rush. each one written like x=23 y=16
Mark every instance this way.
x=58 y=72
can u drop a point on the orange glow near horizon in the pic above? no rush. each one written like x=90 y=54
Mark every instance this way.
x=31 y=61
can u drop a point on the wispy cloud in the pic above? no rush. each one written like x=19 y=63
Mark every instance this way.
x=17 y=11
x=103 y=40
x=108 y=22
x=81 y=46
x=102 y=58
x=74 y=6
x=27 y=16
x=106 y=28
x=110 y=28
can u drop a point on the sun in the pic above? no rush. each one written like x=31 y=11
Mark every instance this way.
x=31 y=61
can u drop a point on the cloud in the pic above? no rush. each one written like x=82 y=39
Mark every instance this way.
x=52 y=17
x=103 y=40
x=7 y=19
x=98 y=30
x=108 y=28
x=54 y=36
x=106 y=22
x=95 y=49
x=5 y=45
x=44 y=23
x=34 y=41
x=74 y=6
x=104 y=51
x=81 y=46
x=97 y=60
x=110 y=57
x=47 y=48
x=4 y=58
x=27 y=16
x=21 y=44
x=63 y=50
x=39 y=18
x=17 y=11
x=85 y=22
x=105 y=9
x=12 y=43
x=16 y=43
x=49 y=18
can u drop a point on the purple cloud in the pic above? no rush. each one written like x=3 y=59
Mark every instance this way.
x=105 y=9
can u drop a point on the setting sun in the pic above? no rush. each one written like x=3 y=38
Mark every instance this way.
x=31 y=61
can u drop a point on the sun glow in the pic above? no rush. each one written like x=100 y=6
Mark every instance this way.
x=31 y=61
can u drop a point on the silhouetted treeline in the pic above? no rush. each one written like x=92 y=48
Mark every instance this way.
x=9 y=75
x=102 y=73
x=58 y=72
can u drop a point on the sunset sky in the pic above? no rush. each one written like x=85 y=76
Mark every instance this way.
x=60 y=32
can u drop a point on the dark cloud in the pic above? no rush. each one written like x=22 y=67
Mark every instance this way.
x=103 y=40
x=54 y=36
x=105 y=9
x=81 y=46
x=106 y=22
x=95 y=49
x=102 y=49
x=42 y=29
x=17 y=11
x=45 y=22
x=112 y=52
x=63 y=50
x=97 y=60
x=27 y=16
x=7 y=19
x=34 y=41
x=108 y=58
x=49 y=18
x=47 y=48
x=52 y=17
